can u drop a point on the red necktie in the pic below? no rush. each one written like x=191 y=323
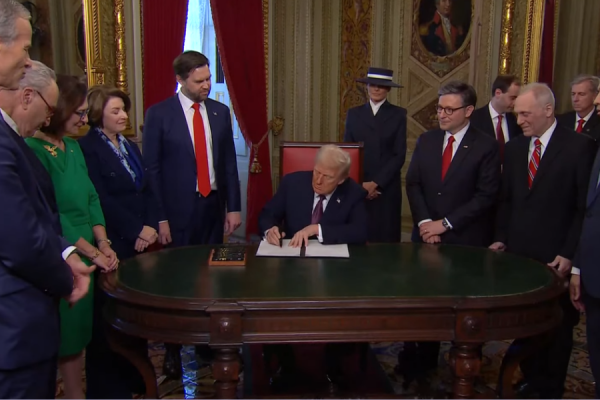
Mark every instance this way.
x=318 y=211
x=447 y=156
x=580 y=125
x=534 y=162
x=201 y=152
x=500 y=137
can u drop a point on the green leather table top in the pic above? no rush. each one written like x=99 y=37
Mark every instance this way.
x=374 y=271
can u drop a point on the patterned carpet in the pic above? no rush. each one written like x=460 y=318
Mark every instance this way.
x=198 y=382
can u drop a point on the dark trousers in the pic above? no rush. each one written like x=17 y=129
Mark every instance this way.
x=546 y=369
x=592 y=312
x=205 y=227
x=108 y=374
x=36 y=381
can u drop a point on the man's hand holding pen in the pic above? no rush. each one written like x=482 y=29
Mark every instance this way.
x=275 y=236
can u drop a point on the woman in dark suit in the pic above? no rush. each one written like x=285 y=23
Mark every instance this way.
x=381 y=126
x=116 y=168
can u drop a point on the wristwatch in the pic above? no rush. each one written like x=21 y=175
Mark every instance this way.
x=445 y=224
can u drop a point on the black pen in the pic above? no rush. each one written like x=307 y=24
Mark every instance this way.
x=280 y=236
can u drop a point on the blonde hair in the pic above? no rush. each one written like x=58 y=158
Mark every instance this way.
x=334 y=155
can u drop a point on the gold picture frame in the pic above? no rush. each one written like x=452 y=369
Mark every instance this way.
x=106 y=60
x=531 y=32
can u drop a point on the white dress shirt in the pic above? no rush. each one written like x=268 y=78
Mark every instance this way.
x=586 y=118
x=11 y=122
x=186 y=105
x=376 y=106
x=504 y=125
x=458 y=137
x=545 y=139
x=315 y=202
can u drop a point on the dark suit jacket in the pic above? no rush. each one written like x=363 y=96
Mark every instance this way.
x=343 y=221
x=588 y=252
x=171 y=161
x=384 y=138
x=467 y=194
x=126 y=208
x=545 y=221
x=482 y=120
x=591 y=128
x=33 y=273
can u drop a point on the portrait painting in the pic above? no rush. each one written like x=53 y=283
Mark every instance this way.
x=443 y=25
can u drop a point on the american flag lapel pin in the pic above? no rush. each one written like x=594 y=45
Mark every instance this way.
x=338 y=200
x=214 y=112
x=466 y=147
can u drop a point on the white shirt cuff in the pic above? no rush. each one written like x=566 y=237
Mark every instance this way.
x=320 y=237
x=67 y=252
x=160 y=222
x=575 y=271
x=422 y=222
x=449 y=224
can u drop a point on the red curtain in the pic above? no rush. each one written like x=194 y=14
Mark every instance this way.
x=240 y=38
x=547 y=56
x=164 y=32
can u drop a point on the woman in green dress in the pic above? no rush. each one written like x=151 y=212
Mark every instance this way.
x=81 y=219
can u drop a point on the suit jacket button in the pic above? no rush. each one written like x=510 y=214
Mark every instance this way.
x=439 y=194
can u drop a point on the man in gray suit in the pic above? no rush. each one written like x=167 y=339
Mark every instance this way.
x=585 y=278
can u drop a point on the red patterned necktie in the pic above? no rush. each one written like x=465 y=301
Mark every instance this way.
x=534 y=162
x=318 y=211
x=500 y=137
x=447 y=156
x=580 y=125
x=201 y=152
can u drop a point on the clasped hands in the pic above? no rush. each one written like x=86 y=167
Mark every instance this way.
x=371 y=188
x=147 y=236
x=298 y=240
x=430 y=231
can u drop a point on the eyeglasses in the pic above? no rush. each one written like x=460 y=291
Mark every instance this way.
x=447 y=110
x=50 y=110
x=81 y=114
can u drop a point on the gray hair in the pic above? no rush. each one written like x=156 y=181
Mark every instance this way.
x=38 y=77
x=593 y=80
x=332 y=154
x=10 y=11
x=466 y=92
x=541 y=92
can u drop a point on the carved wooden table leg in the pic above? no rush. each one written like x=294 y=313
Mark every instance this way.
x=464 y=359
x=226 y=369
x=123 y=345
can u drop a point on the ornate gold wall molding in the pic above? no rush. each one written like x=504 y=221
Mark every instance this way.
x=508 y=11
x=105 y=42
x=121 y=58
x=532 y=47
x=357 y=25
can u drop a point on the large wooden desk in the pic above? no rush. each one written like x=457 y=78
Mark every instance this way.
x=382 y=293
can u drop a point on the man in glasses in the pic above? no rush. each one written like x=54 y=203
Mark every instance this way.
x=35 y=99
x=452 y=184
x=37 y=266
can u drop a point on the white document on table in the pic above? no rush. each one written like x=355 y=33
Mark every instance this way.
x=266 y=249
x=316 y=249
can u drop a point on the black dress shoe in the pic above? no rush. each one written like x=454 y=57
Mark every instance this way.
x=172 y=361
x=525 y=390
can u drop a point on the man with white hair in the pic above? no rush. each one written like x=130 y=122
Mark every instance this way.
x=323 y=203
x=33 y=271
x=583 y=118
x=541 y=210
